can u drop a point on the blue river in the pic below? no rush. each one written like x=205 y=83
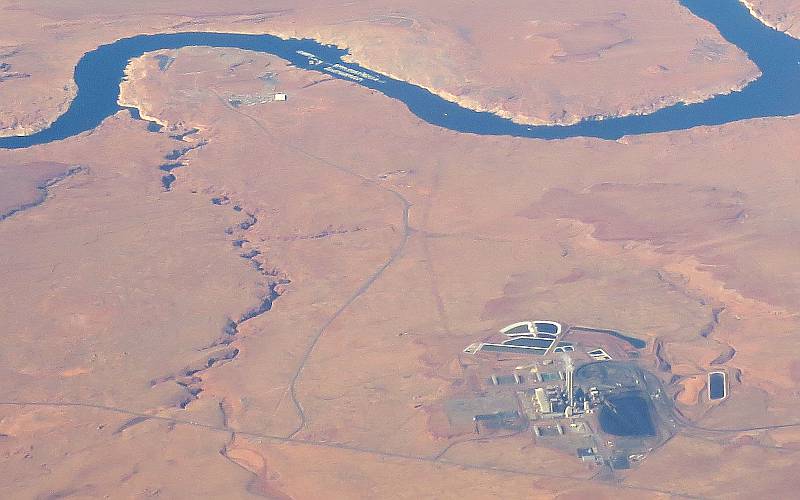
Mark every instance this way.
x=775 y=93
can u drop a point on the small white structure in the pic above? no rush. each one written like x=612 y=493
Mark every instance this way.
x=542 y=401
x=599 y=355
x=280 y=96
x=473 y=348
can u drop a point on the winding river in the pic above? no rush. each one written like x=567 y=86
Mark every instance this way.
x=775 y=93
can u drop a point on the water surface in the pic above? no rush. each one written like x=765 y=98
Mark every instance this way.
x=716 y=386
x=776 y=93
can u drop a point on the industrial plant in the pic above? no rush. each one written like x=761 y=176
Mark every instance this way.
x=579 y=389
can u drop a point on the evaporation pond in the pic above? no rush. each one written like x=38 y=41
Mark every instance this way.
x=546 y=327
x=529 y=342
x=716 y=385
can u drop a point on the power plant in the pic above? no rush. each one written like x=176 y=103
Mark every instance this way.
x=580 y=389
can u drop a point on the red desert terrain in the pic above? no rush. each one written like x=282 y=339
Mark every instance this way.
x=270 y=298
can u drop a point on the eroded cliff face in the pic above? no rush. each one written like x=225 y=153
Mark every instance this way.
x=30 y=102
x=533 y=62
x=782 y=15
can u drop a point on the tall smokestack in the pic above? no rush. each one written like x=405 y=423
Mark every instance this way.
x=569 y=386
x=570 y=369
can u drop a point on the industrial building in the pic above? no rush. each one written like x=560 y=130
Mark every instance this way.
x=580 y=390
